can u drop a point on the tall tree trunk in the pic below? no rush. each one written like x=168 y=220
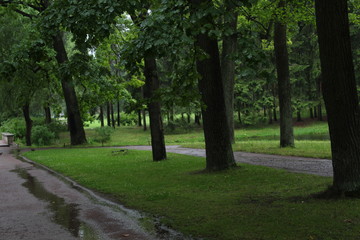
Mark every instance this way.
x=197 y=119
x=112 y=115
x=28 y=123
x=239 y=115
x=284 y=87
x=118 y=114
x=108 y=114
x=219 y=153
x=47 y=115
x=315 y=112
x=298 y=116
x=311 y=113
x=76 y=127
x=319 y=92
x=101 y=116
x=274 y=113
x=152 y=84
x=228 y=64
x=144 y=119
x=139 y=118
x=340 y=94
x=270 y=116
x=320 y=115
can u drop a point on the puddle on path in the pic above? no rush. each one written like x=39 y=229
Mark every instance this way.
x=67 y=214
x=64 y=214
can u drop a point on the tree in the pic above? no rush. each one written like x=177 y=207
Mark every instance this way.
x=33 y=11
x=340 y=96
x=151 y=89
x=219 y=154
x=228 y=63
x=284 y=87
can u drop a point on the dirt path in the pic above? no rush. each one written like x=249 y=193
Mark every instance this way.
x=321 y=167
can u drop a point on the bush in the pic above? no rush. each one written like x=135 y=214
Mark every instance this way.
x=103 y=134
x=128 y=119
x=41 y=135
x=178 y=124
x=15 y=126
x=57 y=127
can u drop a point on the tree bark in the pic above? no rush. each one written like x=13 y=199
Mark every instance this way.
x=219 y=153
x=320 y=115
x=76 y=127
x=228 y=64
x=118 y=114
x=112 y=115
x=152 y=84
x=47 y=115
x=139 y=118
x=298 y=116
x=144 y=119
x=340 y=95
x=284 y=87
x=108 y=114
x=319 y=92
x=28 y=123
x=101 y=116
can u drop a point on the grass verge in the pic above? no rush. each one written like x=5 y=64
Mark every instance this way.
x=312 y=149
x=250 y=202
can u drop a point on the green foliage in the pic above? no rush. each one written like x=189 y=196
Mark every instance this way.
x=57 y=127
x=178 y=125
x=128 y=119
x=42 y=135
x=15 y=126
x=103 y=134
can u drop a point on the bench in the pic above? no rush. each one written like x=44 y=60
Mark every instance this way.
x=7 y=138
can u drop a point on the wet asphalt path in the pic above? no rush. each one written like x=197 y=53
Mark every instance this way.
x=321 y=167
x=37 y=205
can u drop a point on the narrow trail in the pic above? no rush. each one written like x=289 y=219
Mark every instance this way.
x=321 y=167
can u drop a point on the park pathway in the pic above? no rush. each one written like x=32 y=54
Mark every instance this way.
x=37 y=204
x=321 y=167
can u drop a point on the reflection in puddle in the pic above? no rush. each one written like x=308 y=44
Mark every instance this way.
x=65 y=214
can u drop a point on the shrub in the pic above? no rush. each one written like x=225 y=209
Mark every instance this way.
x=57 y=127
x=178 y=124
x=103 y=134
x=128 y=119
x=15 y=126
x=41 y=135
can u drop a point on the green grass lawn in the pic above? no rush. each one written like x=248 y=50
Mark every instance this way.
x=250 y=202
x=311 y=139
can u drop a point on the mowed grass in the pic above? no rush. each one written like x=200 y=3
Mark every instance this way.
x=311 y=149
x=250 y=202
x=311 y=139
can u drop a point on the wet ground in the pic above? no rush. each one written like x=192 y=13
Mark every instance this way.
x=37 y=204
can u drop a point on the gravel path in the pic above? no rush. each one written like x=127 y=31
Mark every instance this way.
x=321 y=167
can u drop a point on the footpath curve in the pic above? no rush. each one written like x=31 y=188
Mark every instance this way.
x=321 y=167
